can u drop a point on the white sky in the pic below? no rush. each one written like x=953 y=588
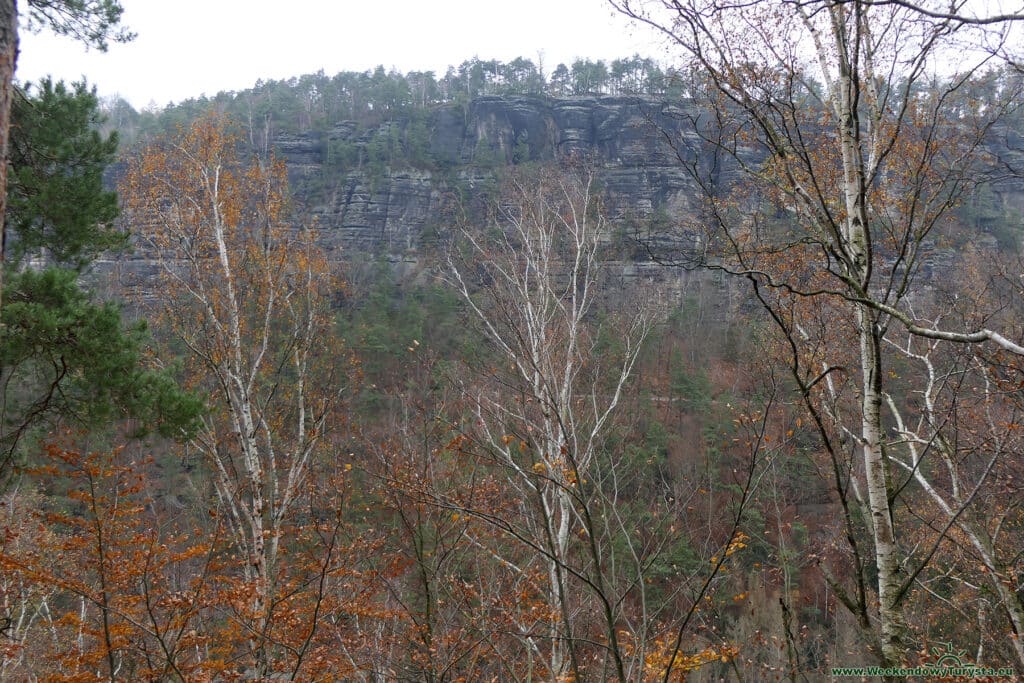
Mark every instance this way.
x=186 y=48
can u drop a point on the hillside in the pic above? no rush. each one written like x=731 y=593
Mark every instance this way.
x=609 y=373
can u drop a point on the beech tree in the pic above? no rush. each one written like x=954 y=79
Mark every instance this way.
x=853 y=154
x=97 y=583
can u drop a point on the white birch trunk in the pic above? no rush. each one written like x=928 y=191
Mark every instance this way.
x=543 y=276
x=251 y=317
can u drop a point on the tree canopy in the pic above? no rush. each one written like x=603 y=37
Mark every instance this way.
x=67 y=360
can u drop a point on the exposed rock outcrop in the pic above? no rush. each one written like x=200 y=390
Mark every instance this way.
x=641 y=146
x=396 y=211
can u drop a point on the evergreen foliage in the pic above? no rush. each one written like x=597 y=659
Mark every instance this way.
x=316 y=102
x=93 y=22
x=56 y=199
x=66 y=359
x=378 y=121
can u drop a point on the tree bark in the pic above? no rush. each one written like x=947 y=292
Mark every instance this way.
x=875 y=471
x=8 y=63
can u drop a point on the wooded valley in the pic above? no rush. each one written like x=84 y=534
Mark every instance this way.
x=607 y=372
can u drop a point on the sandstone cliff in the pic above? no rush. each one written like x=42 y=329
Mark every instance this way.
x=399 y=210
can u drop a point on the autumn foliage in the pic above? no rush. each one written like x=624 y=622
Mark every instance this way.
x=504 y=468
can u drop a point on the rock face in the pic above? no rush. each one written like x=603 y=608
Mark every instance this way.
x=387 y=215
x=642 y=148
x=1008 y=145
x=398 y=212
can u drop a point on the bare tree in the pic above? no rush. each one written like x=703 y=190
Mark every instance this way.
x=955 y=435
x=530 y=280
x=853 y=154
x=547 y=418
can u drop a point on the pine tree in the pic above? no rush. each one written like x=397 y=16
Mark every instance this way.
x=66 y=359
x=56 y=200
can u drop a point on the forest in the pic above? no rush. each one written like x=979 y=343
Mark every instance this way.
x=317 y=101
x=756 y=417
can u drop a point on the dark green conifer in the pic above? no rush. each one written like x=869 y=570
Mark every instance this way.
x=65 y=358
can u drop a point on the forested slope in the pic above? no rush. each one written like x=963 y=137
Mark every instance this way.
x=514 y=375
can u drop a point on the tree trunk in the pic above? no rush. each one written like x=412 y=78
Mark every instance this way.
x=8 y=62
x=856 y=247
x=875 y=472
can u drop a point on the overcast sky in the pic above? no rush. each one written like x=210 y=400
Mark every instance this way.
x=186 y=48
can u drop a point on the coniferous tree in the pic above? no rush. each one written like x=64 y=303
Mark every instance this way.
x=93 y=22
x=56 y=200
x=65 y=358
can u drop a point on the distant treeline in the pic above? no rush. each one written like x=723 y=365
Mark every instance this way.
x=388 y=116
x=317 y=101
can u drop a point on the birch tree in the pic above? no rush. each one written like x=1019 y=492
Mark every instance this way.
x=853 y=152
x=530 y=280
x=247 y=296
x=955 y=419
